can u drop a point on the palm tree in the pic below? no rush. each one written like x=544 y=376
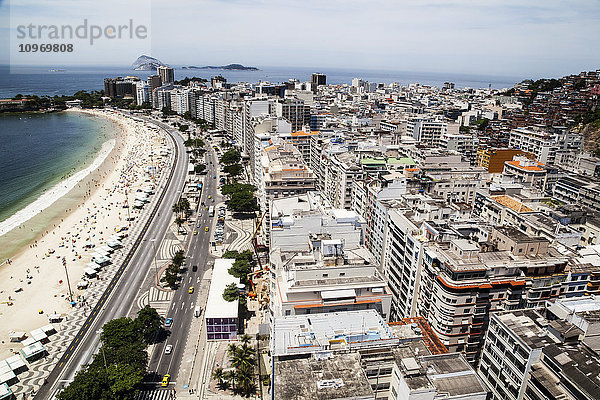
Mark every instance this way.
x=232 y=349
x=245 y=379
x=219 y=375
x=244 y=356
x=245 y=338
x=230 y=376
x=179 y=221
x=176 y=208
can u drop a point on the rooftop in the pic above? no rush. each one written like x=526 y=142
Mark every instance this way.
x=579 y=366
x=311 y=333
x=523 y=325
x=339 y=377
x=216 y=305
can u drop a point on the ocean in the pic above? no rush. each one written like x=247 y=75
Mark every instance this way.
x=37 y=151
x=41 y=81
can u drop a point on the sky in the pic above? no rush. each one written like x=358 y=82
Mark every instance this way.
x=508 y=38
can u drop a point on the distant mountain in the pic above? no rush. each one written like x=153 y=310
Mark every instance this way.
x=146 y=63
x=230 y=67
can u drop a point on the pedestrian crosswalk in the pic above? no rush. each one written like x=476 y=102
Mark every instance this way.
x=155 y=394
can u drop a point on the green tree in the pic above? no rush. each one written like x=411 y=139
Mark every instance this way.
x=233 y=170
x=231 y=156
x=198 y=168
x=89 y=383
x=240 y=269
x=149 y=322
x=219 y=375
x=179 y=222
x=245 y=380
x=178 y=258
x=243 y=202
x=124 y=380
x=230 y=377
x=170 y=278
x=231 y=293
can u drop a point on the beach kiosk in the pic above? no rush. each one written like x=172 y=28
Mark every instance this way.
x=7 y=375
x=33 y=352
x=90 y=272
x=39 y=335
x=54 y=318
x=5 y=392
x=15 y=336
x=114 y=244
x=17 y=364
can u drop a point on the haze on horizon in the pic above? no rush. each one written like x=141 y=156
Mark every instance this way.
x=507 y=38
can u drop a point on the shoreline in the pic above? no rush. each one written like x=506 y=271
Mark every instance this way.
x=50 y=196
x=32 y=228
x=95 y=212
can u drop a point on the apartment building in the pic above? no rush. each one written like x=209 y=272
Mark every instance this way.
x=529 y=357
x=557 y=146
x=294 y=218
x=426 y=130
x=401 y=360
x=295 y=111
x=301 y=140
x=339 y=170
x=462 y=282
x=326 y=276
x=527 y=172
x=466 y=145
x=493 y=159
x=580 y=190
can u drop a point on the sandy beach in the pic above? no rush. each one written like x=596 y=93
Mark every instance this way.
x=33 y=284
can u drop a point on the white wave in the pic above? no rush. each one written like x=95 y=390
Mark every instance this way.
x=56 y=192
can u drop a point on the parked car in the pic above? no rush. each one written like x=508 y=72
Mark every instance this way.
x=168 y=349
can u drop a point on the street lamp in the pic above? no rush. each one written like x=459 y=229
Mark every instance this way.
x=155 y=266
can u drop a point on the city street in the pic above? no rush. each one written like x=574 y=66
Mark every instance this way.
x=121 y=293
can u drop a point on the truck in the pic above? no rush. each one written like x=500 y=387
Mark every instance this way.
x=197 y=311
x=211 y=211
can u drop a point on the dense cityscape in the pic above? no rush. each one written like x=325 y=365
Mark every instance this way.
x=306 y=240
x=408 y=241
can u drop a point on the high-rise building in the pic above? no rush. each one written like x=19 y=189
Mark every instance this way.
x=167 y=74
x=316 y=80
x=154 y=82
x=295 y=111
x=142 y=93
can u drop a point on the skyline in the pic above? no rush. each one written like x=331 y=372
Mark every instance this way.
x=540 y=40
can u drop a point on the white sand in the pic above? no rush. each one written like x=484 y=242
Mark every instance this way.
x=92 y=221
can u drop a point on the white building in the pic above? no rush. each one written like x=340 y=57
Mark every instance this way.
x=560 y=147
x=221 y=316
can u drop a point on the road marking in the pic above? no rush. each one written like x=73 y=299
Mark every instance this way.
x=182 y=304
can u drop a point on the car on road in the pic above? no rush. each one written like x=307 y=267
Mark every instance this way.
x=209 y=196
x=214 y=177
x=168 y=322
x=206 y=229
x=191 y=290
x=195 y=233
x=168 y=349
x=165 y=381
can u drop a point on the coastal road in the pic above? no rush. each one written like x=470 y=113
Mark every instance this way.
x=183 y=303
x=121 y=293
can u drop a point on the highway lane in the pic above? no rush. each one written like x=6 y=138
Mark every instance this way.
x=183 y=303
x=121 y=293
